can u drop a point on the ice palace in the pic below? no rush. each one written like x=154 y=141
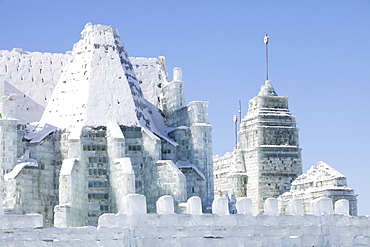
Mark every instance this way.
x=100 y=149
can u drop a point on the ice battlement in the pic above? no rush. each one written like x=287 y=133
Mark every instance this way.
x=135 y=227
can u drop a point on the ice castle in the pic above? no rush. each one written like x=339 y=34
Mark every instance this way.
x=80 y=130
x=104 y=148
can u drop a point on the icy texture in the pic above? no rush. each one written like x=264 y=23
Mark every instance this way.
x=189 y=230
x=165 y=205
x=110 y=138
x=177 y=74
x=106 y=89
x=1 y=204
x=295 y=207
x=134 y=204
x=194 y=205
x=38 y=133
x=322 y=206
x=342 y=207
x=268 y=157
x=244 y=205
x=320 y=180
x=267 y=90
x=18 y=168
x=271 y=207
x=220 y=206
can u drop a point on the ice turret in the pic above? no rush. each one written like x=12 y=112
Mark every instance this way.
x=174 y=93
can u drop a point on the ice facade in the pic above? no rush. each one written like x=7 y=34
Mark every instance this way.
x=267 y=162
x=328 y=226
x=83 y=129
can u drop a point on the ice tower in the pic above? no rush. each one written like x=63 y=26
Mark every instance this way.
x=269 y=140
x=267 y=161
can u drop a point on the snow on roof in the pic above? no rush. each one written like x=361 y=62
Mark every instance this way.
x=37 y=133
x=27 y=162
x=114 y=130
x=267 y=89
x=320 y=172
x=67 y=166
x=151 y=74
x=187 y=164
x=99 y=85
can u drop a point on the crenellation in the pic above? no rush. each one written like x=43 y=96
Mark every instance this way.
x=137 y=227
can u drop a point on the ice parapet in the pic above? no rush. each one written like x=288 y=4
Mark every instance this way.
x=342 y=207
x=194 y=205
x=220 y=206
x=322 y=206
x=244 y=206
x=134 y=204
x=271 y=207
x=165 y=205
x=295 y=207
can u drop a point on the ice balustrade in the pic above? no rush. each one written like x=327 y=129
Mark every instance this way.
x=136 y=204
x=134 y=227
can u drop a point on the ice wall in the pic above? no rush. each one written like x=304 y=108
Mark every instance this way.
x=71 y=210
x=136 y=228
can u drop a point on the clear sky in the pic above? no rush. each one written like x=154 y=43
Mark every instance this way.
x=319 y=57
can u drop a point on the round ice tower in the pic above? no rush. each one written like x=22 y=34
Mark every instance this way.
x=174 y=92
x=177 y=74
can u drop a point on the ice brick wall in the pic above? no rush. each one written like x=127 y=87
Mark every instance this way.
x=200 y=143
x=230 y=175
x=135 y=228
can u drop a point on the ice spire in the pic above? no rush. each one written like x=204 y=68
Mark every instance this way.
x=266 y=40
x=267 y=89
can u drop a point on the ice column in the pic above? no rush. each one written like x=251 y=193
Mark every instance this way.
x=220 y=206
x=194 y=205
x=134 y=204
x=244 y=205
x=295 y=207
x=342 y=207
x=177 y=74
x=165 y=205
x=271 y=207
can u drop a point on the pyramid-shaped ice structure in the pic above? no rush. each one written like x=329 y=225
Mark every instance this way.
x=98 y=85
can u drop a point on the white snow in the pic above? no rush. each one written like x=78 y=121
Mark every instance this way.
x=67 y=167
x=36 y=132
x=187 y=164
x=105 y=89
x=27 y=162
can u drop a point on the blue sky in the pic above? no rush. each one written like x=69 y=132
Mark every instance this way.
x=319 y=57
